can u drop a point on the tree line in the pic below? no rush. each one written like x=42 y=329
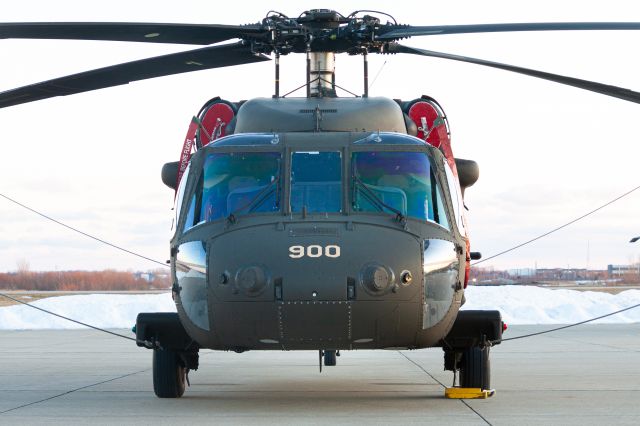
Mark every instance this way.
x=107 y=280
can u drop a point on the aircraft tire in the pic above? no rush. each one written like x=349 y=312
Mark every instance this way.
x=330 y=358
x=169 y=375
x=475 y=371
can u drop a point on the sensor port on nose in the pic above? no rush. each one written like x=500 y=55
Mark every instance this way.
x=252 y=280
x=376 y=278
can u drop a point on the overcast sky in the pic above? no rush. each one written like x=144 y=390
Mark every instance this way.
x=547 y=153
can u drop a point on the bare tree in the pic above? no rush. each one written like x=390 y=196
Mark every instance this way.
x=23 y=265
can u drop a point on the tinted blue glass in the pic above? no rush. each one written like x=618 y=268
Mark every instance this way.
x=402 y=181
x=316 y=181
x=441 y=218
x=189 y=222
x=240 y=183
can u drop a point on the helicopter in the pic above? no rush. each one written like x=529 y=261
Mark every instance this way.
x=311 y=223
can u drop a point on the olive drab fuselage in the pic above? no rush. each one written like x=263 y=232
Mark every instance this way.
x=325 y=245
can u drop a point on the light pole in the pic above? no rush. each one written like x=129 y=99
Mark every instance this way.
x=633 y=240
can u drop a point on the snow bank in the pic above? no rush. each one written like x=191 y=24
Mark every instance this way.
x=535 y=305
x=518 y=304
x=99 y=310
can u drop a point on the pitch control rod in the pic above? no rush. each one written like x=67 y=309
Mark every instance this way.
x=366 y=74
x=308 y=71
x=277 y=61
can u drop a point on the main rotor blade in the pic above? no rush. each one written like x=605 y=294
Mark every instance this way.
x=605 y=89
x=410 y=31
x=175 y=63
x=129 y=31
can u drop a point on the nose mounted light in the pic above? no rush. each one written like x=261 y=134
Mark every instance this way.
x=252 y=280
x=376 y=279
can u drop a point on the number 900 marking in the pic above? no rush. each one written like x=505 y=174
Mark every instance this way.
x=314 y=251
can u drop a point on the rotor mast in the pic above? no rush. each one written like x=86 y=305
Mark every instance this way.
x=321 y=74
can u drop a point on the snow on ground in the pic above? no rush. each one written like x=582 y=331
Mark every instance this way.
x=536 y=305
x=99 y=310
x=518 y=304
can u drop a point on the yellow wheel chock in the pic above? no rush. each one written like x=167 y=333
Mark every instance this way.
x=468 y=393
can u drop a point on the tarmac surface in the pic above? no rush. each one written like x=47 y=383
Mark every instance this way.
x=586 y=375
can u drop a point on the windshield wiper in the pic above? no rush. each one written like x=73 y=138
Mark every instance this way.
x=376 y=200
x=257 y=200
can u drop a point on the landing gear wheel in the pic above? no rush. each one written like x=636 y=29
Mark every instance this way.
x=169 y=375
x=475 y=368
x=330 y=358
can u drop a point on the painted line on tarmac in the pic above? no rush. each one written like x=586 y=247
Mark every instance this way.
x=444 y=387
x=73 y=390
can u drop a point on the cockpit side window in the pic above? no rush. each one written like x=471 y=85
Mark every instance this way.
x=456 y=198
x=441 y=218
x=192 y=219
x=180 y=192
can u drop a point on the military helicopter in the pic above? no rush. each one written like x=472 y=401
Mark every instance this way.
x=309 y=223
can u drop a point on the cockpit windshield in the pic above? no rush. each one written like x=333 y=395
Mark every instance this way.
x=232 y=181
x=396 y=182
x=236 y=183
x=232 y=184
x=316 y=182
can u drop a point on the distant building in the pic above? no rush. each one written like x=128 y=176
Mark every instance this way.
x=617 y=270
x=147 y=276
x=524 y=272
x=561 y=274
